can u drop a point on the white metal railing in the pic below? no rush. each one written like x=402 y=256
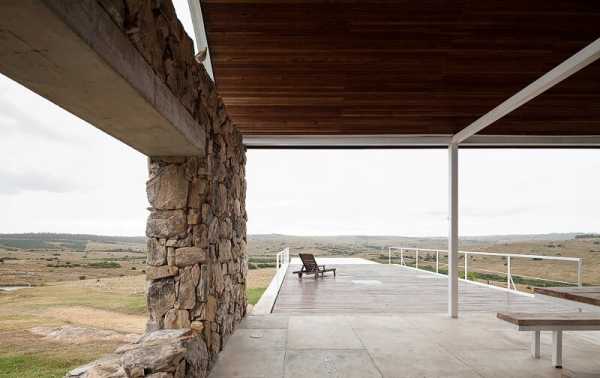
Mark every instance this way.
x=510 y=284
x=267 y=300
x=282 y=258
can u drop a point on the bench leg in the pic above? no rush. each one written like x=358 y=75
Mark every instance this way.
x=535 y=344
x=557 y=349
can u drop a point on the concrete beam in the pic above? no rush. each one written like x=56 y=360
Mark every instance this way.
x=72 y=53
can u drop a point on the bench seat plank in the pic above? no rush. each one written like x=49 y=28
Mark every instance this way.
x=577 y=319
x=589 y=295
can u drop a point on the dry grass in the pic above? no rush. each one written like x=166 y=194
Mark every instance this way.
x=113 y=303
x=259 y=278
x=27 y=267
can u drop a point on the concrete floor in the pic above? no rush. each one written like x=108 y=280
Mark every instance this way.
x=407 y=345
x=388 y=321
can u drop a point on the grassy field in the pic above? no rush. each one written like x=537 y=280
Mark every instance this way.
x=113 y=303
x=116 y=303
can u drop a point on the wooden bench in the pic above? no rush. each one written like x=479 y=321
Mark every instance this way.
x=557 y=323
x=310 y=266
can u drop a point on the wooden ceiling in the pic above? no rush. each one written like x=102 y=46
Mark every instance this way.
x=401 y=67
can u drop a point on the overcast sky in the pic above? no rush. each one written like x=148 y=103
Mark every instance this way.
x=60 y=174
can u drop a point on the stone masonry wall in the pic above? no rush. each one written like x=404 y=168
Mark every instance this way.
x=197 y=224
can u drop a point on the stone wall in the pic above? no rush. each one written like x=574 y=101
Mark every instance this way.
x=197 y=224
x=197 y=245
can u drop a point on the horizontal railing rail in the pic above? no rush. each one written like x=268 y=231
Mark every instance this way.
x=510 y=284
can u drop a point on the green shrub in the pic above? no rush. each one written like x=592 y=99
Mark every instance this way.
x=104 y=265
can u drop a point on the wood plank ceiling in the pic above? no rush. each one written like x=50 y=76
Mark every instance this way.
x=401 y=67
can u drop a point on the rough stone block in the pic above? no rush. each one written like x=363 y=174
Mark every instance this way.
x=193 y=218
x=211 y=308
x=158 y=272
x=175 y=319
x=160 y=297
x=224 y=250
x=171 y=256
x=168 y=190
x=189 y=256
x=200 y=234
x=157 y=253
x=188 y=280
x=167 y=224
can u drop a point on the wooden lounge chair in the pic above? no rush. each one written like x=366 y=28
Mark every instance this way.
x=310 y=266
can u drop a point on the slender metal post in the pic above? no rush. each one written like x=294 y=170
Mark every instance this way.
x=557 y=339
x=402 y=256
x=535 y=344
x=453 y=231
x=466 y=265
x=437 y=261
x=417 y=259
x=508 y=274
x=579 y=273
x=389 y=256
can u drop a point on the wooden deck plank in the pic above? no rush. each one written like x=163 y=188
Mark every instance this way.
x=391 y=289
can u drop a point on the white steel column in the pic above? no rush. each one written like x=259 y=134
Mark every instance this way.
x=453 y=231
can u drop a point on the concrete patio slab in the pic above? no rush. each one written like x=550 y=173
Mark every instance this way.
x=270 y=321
x=259 y=363
x=321 y=332
x=336 y=328
x=330 y=363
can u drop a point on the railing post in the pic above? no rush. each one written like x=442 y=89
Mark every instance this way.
x=389 y=256
x=437 y=261
x=466 y=266
x=579 y=273
x=508 y=274
x=402 y=256
x=417 y=259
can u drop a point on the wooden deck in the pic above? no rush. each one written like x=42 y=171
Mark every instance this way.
x=391 y=289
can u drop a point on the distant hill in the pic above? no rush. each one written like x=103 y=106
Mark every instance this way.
x=390 y=239
x=46 y=240
x=48 y=236
x=350 y=244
